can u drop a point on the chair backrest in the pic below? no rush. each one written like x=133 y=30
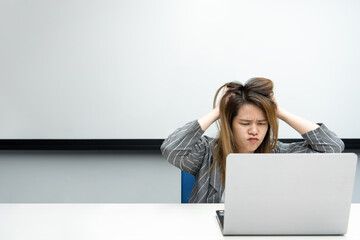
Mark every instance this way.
x=187 y=183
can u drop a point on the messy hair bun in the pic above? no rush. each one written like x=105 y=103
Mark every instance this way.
x=253 y=87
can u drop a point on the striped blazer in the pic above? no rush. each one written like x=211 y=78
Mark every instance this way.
x=189 y=150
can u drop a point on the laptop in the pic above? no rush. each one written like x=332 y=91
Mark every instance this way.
x=288 y=194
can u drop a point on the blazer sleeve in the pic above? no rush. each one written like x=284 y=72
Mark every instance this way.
x=320 y=140
x=186 y=148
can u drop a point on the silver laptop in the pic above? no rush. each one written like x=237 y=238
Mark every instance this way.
x=288 y=194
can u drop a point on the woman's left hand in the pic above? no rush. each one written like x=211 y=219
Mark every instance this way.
x=278 y=110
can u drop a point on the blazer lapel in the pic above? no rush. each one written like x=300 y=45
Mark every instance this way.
x=215 y=182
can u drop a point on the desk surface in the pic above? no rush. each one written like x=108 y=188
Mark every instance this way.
x=127 y=221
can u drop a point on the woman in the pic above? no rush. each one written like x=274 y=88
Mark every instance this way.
x=248 y=124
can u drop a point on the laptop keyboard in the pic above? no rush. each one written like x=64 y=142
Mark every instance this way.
x=220 y=215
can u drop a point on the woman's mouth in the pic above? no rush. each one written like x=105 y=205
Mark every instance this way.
x=253 y=139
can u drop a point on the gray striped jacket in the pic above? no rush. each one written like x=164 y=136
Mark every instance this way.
x=188 y=150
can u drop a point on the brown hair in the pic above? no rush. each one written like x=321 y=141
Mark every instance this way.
x=257 y=91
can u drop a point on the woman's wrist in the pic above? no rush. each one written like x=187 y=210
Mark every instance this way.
x=209 y=118
x=281 y=114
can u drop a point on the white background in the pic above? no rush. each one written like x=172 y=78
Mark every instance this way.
x=104 y=69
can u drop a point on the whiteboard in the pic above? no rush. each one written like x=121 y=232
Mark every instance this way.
x=138 y=69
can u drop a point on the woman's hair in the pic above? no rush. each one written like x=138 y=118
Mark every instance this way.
x=256 y=91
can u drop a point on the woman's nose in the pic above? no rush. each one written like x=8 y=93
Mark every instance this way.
x=253 y=129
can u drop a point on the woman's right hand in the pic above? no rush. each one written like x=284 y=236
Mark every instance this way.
x=217 y=108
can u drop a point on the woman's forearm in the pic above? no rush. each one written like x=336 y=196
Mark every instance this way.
x=300 y=124
x=208 y=119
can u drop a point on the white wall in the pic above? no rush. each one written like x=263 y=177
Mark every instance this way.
x=77 y=69
x=356 y=193
x=139 y=69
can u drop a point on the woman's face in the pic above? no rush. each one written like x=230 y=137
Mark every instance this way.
x=249 y=128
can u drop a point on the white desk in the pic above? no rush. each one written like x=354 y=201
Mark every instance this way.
x=127 y=221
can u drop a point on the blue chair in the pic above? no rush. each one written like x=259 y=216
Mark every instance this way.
x=187 y=183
